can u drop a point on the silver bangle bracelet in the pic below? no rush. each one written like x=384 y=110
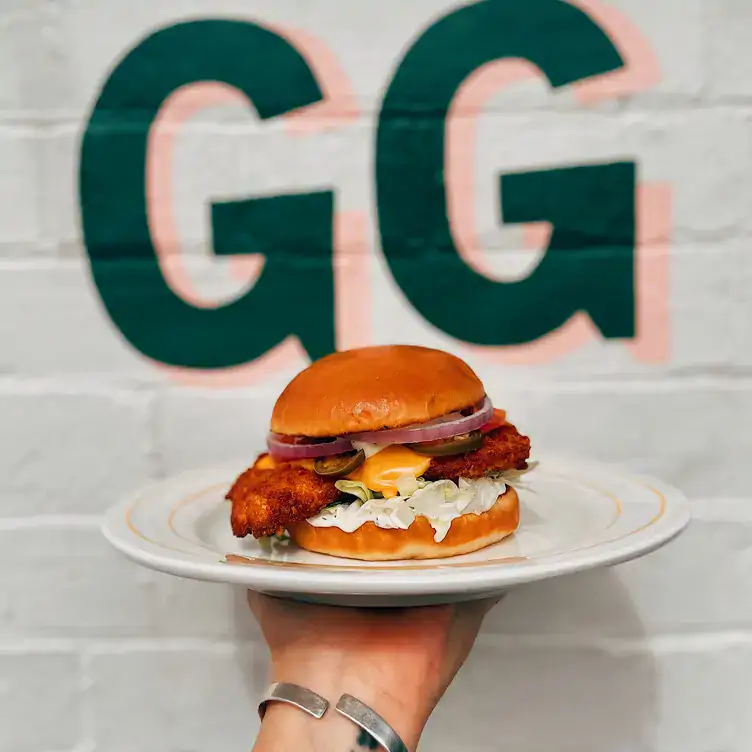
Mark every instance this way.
x=348 y=706
x=292 y=694
x=371 y=722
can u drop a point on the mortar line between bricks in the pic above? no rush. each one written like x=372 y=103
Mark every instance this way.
x=123 y=386
x=669 y=644
x=84 y=746
x=722 y=510
x=88 y=745
x=62 y=122
x=114 y=384
x=45 y=256
x=87 y=716
x=89 y=648
x=64 y=521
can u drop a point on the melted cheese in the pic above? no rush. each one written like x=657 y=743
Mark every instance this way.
x=267 y=462
x=381 y=471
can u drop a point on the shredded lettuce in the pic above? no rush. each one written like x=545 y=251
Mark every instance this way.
x=267 y=543
x=407 y=485
x=514 y=477
x=369 y=449
x=354 y=488
x=440 y=501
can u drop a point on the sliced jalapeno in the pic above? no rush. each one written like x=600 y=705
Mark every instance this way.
x=466 y=442
x=339 y=465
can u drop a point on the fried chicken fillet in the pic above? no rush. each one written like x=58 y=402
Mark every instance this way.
x=265 y=500
x=503 y=449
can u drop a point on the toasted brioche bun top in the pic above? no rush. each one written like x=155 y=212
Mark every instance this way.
x=371 y=388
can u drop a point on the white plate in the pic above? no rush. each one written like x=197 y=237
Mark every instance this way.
x=577 y=515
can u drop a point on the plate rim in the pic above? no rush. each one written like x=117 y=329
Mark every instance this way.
x=341 y=579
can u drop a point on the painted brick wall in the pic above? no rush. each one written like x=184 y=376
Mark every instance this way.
x=97 y=655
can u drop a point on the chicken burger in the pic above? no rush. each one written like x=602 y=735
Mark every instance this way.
x=383 y=453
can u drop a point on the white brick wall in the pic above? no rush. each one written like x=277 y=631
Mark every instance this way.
x=171 y=708
x=41 y=700
x=97 y=655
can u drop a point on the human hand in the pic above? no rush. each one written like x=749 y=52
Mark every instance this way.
x=399 y=662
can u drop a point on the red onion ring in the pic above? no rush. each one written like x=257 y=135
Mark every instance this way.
x=422 y=432
x=430 y=431
x=281 y=450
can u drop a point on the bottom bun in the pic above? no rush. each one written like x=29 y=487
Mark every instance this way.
x=468 y=533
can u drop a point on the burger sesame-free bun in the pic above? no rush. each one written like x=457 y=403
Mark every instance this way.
x=371 y=388
x=468 y=533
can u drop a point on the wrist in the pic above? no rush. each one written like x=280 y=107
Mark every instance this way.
x=400 y=695
x=285 y=727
